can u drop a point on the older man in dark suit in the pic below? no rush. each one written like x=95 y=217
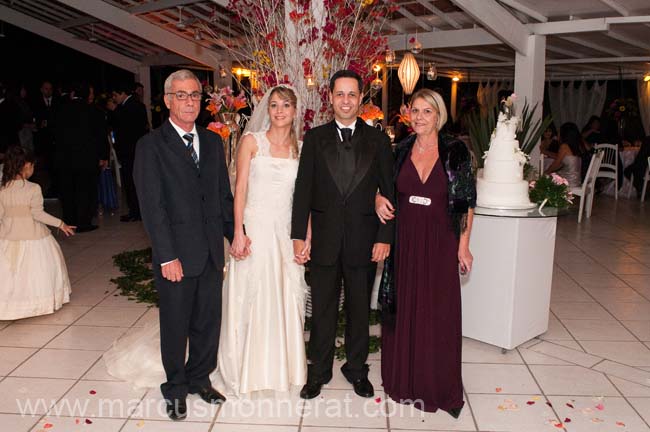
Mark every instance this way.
x=187 y=209
x=342 y=166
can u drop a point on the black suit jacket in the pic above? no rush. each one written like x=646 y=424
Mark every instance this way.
x=186 y=211
x=342 y=223
x=79 y=135
x=130 y=124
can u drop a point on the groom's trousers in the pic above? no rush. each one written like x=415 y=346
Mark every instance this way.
x=325 y=284
x=189 y=309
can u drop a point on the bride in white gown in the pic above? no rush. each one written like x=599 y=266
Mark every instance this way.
x=261 y=347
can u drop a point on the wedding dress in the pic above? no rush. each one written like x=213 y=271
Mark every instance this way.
x=261 y=347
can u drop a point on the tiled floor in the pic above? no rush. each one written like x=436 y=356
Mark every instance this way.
x=589 y=372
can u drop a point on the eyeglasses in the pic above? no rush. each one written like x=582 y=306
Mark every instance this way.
x=181 y=95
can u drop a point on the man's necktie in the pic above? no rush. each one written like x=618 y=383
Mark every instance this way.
x=346 y=137
x=189 y=137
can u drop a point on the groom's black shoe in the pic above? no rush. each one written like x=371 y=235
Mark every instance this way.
x=176 y=409
x=313 y=386
x=210 y=395
x=363 y=387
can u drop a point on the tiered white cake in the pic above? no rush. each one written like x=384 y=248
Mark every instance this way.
x=501 y=184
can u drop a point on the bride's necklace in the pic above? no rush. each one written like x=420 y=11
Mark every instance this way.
x=423 y=148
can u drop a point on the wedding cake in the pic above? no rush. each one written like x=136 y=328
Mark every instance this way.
x=501 y=183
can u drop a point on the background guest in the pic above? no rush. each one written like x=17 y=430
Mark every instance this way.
x=568 y=160
x=130 y=124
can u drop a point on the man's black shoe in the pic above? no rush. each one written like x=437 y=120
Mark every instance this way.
x=312 y=388
x=363 y=387
x=210 y=395
x=176 y=409
x=86 y=228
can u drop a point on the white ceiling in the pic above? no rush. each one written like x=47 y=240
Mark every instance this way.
x=585 y=38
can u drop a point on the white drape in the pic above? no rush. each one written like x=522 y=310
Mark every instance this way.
x=576 y=104
x=644 y=104
x=487 y=94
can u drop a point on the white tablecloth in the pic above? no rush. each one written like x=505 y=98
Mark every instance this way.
x=627 y=157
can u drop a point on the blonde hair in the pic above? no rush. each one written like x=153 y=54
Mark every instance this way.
x=435 y=100
x=287 y=94
x=181 y=75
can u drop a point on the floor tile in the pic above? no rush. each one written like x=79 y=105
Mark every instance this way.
x=99 y=399
x=493 y=378
x=18 y=335
x=642 y=405
x=586 y=415
x=532 y=357
x=81 y=423
x=340 y=408
x=285 y=410
x=17 y=422
x=52 y=363
x=11 y=357
x=640 y=329
x=630 y=311
x=629 y=373
x=99 y=373
x=573 y=294
x=115 y=299
x=629 y=353
x=31 y=395
x=597 y=330
x=617 y=295
x=111 y=317
x=339 y=382
x=478 y=352
x=64 y=316
x=630 y=389
x=512 y=413
x=407 y=417
x=598 y=281
x=555 y=350
x=556 y=330
x=88 y=338
x=572 y=380
x=324 y=429
x=169 y=426
x=149 y=317
x=592 y=311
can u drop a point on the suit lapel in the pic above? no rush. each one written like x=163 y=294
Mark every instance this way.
x=364 y=155
x=176 y=144
x=330 y=152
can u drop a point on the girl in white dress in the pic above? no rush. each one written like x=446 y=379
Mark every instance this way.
x=261 y=347
x=32 y=269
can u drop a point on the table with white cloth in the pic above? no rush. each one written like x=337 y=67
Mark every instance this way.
x=627 y=156
x=506 y=297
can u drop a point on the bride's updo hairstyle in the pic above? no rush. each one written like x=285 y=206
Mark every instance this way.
x=286 y=94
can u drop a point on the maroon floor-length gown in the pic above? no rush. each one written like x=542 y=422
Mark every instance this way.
x=421 y=353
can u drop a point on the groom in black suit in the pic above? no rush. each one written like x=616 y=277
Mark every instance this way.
x=187 y=209
x=343 y=165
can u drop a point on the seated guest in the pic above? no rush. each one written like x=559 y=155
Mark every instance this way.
x=567 y=163
x=639 y=166
x=549 y=145
x=591 y=132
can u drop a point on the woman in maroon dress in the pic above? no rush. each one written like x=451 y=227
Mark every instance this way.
x=421 y=343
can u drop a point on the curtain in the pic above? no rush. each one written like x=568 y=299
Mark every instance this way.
x=644 y=104
x=576 y=104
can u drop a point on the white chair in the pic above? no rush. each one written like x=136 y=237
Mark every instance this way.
x=587 y=189
x=646 y=179
x=609 y=165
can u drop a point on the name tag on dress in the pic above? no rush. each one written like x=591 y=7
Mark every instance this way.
x=419 y=200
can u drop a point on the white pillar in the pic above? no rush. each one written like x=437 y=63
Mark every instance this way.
x=529 y=81
x=144 y=77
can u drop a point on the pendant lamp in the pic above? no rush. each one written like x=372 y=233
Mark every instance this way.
x=408 y=73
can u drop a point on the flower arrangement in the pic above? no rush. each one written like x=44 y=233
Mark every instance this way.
x=371 y=112
x=220 y=128
x=552 y=190
x=225 y=101
x=622 y=108
x=405 y=115
x=302 y=42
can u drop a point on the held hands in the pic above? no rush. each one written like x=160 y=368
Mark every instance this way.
x=465 y=260
x=302 y=251
x=173 y=271
x=241 y=246
x=380 y=251
x=68 y=230
x=384 y=208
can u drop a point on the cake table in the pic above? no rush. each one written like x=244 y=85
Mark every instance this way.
x=506 y=297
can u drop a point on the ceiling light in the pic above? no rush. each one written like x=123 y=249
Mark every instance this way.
x=456 y=78
x=646 y=77
x=408 y=73
x=197 y=34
